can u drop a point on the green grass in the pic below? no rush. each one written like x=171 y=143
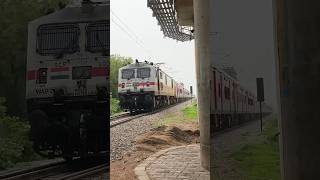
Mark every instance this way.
x=114 y=106
x=189 y=114
x=260 y=159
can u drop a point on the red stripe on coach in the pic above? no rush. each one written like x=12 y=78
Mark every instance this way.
x=31 y=75
x=59 y=69
x=147 y=83
x=99 y=71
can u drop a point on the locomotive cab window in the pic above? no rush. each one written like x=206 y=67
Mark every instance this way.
x=57 y=39
x=98 y=37
x=143 y=72
x=127 y=73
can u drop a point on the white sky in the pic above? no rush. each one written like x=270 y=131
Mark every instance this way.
x=146 y=41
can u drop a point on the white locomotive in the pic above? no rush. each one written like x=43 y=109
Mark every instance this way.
x=144 y=86
x=67 y=81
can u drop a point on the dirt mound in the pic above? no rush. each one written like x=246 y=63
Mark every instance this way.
x=165 y=136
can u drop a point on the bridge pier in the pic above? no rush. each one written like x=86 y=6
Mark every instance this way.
x=298 y=42
x=203 y=58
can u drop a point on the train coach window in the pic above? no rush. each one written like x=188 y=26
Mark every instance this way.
x=143 y=72
x=127 y=73
x=56 y=39
x=98 y=36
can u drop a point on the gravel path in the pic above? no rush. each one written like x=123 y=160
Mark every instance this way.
x=123 y=135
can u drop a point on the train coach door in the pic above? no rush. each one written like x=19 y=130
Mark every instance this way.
x=234 y=98
x=221 y=93
x=158 y=80
x=214 y=90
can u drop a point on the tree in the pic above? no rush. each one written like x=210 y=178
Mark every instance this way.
x=14 y=18
x=117 y=62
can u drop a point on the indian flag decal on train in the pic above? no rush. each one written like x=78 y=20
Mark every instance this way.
x=59 y=73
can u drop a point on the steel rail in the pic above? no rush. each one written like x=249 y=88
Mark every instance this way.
x=32 y=173
x=85 y=172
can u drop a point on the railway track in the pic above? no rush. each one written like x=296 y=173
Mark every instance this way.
x=126 y=117
x=84 y=173
x=60 y=171
x=119 y=115
x=34 y=173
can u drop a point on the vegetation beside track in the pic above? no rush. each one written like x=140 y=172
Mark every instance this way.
x=191 y=112
x=14 y=143
x=259 y=158
x=188 y=115
x=116 y=62
x=14 y=17
x=114 y=106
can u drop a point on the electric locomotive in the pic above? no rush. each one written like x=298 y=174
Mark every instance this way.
x=143 y=86
x=67 y=81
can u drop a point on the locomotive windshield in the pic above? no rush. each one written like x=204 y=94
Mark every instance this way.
x=127 y=73
x=55 y=39
x=143 y=72
x=98 y=36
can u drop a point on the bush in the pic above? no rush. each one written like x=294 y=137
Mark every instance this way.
x=114 y=106
x=14 y=143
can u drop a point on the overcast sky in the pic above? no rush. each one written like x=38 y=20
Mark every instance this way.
x=245 y=41
x=245 y=36
x=146 y=41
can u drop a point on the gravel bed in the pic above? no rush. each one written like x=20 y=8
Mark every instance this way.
x=123 y=135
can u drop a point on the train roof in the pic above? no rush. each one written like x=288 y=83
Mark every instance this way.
x=236 y=80
x=74 y=14
x=143 y=64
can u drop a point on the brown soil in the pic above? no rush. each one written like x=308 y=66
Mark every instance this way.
x=151 y=142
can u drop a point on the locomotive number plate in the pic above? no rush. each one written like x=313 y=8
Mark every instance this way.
x=80 y=92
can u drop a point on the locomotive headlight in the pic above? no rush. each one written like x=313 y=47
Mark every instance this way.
x=42 y=76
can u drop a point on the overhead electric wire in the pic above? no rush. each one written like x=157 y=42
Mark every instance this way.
x=122 y=22
x=127 y=30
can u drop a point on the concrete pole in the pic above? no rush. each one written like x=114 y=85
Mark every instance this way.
x=298 y=40
x=203 y=56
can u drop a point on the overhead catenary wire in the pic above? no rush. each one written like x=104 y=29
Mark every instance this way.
x=129 y=35
x=137 y=40
x=126 y=26
x=129 y=32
